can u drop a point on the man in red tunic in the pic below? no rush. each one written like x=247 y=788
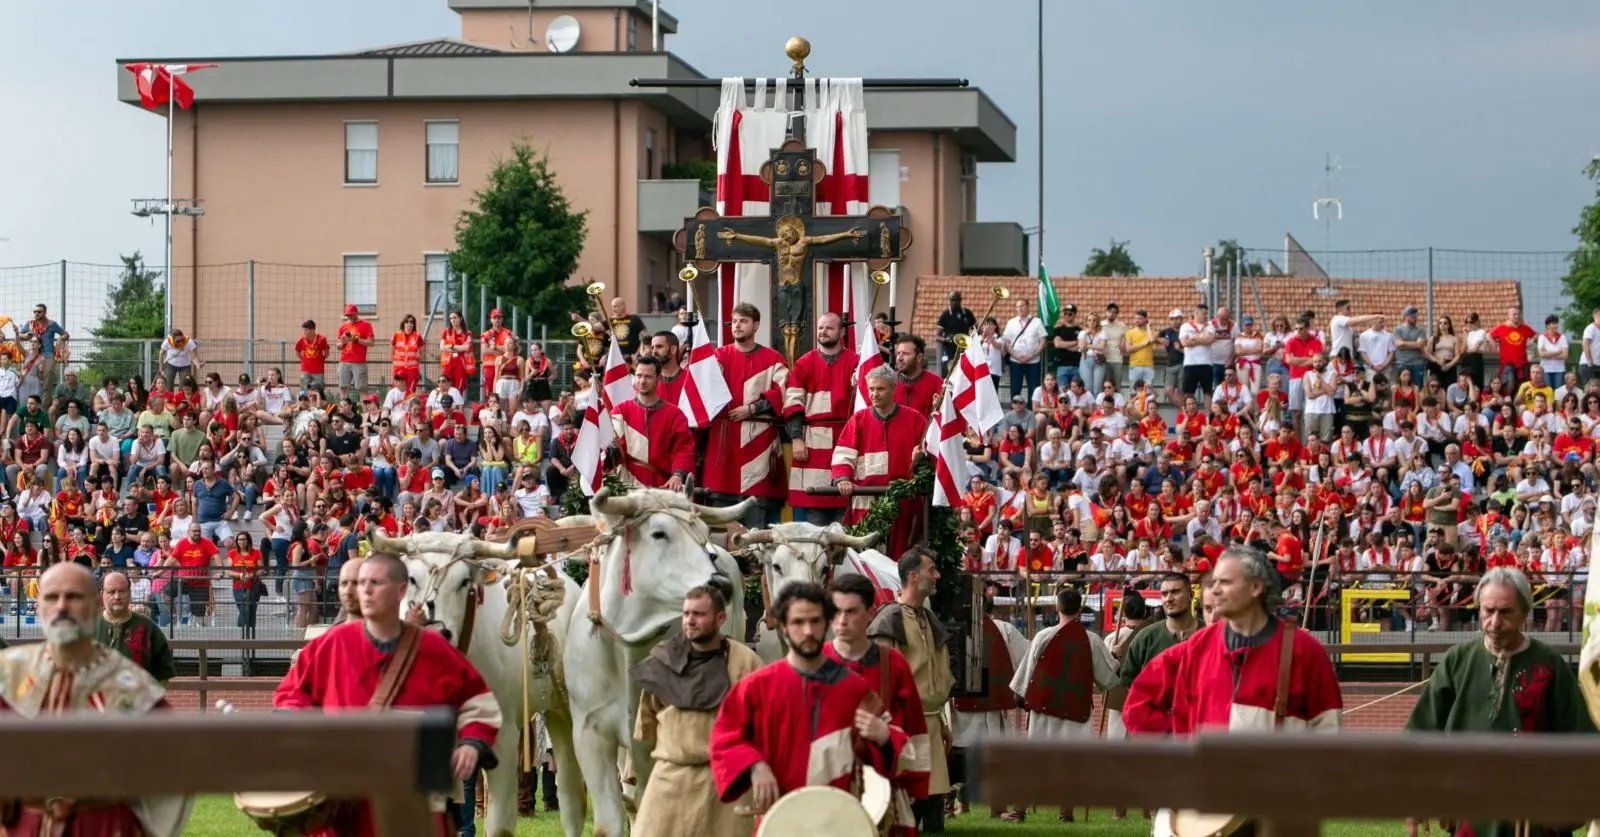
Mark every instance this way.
x=818 y=401
x=877 y=446
x=344 y=668
x=803 y=720
x=916 y=387
x=664 y=345
x=1226 y=676
x=889 y=675
x=653 y=436
x=743 y=457
x=71 y=672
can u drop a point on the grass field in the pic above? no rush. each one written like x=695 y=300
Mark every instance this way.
x=215 y=816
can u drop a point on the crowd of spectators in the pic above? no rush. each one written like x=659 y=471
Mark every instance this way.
x=1353 y=454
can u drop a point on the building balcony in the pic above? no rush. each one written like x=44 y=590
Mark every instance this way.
x=665 y=204
x=994 y=248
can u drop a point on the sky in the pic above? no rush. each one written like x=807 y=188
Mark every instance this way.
x=1168 y=123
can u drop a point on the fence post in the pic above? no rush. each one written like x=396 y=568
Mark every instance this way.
x=1429 y=329
x=250 y=318
x=61 y=310
x=483 y=308
x=144 y=360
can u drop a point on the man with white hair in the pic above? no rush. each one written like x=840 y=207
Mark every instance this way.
x=71 y=672
x=1504 y=681
x=876 y=446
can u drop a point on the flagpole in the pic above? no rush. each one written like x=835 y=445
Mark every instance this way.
x=172 y=98
x=1040 y=175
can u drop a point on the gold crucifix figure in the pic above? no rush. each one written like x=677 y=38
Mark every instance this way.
x=790 y=244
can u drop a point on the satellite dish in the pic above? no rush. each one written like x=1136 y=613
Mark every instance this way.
x=562 y=35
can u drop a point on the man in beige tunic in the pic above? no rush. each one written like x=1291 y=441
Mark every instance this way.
x=684 y=681
x=921 y=639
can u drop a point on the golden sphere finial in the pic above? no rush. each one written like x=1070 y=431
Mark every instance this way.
x=797 y=49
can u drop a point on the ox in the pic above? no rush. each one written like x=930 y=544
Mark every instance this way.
x=789 y=552
x=456 y=579
x=656 y=549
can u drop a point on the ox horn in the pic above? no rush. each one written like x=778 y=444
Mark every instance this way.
x=838 y=539
x=394 y=546
x=753 y=537
x=724 y=516
x=605 y=503
x=489 y=549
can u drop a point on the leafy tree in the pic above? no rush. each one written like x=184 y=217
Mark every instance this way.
x=1114 y=261
x=521 y=239
x=1583 y=273
x=1227 y=251
x=135 y=310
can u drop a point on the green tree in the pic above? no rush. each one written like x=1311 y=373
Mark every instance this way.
x=135 y=310
x=1114 y=261
x=521 y=239
x=1583 y=272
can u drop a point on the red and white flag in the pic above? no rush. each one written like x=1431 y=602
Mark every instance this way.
x=596 y=434
x=871 y=358
x=705 y=392
x=159 y=83
x=970 y=401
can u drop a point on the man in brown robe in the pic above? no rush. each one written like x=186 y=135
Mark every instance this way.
x=684 y=681
x=917 y=634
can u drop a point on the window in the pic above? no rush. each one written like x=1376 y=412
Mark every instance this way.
x=361 y=152
x=361 y=282
x=443 y=144
x=436 y=273
x=883 y=178
x=649 y=153
x=633 y=33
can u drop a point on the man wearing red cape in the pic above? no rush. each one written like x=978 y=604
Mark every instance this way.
x=382 y=663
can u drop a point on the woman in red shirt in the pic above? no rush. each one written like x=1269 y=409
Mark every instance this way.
x=244 y=569
x=406 y=354
x=455 y=352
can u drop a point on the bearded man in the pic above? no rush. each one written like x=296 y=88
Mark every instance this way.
x=684 y=681
x=71 y=672
x=653 y=435
x=818 y=401
x=744 y=436
x=133 y=634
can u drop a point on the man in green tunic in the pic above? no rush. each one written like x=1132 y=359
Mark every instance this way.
x=1177 y=605
x=1505 y=682
x=134 y=634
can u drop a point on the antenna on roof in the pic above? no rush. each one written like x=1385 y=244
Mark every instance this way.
x=1325 y=205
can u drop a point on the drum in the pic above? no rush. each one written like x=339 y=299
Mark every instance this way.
x=1195 y=824
x=285 y=814
x=817 y=810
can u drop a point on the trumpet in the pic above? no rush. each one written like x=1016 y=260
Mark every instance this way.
x=998 y=292
x=595 y=290
x=879 y=279
x=689 y=273
x=582 y=330
x=962 y=341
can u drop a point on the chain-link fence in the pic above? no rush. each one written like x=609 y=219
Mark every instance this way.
x=1287 y=280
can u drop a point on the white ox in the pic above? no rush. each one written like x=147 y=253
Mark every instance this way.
x=790 y=552
x=658 y=548
x=458 y=579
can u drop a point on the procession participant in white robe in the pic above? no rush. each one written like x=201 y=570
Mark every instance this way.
x=1065 y=666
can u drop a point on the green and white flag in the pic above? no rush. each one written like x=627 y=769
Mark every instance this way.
x=1049 y=310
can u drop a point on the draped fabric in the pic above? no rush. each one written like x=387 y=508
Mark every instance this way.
x=836 y=126
x=746 y=130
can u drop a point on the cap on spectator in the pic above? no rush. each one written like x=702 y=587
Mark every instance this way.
x=1017 y=398
x=1140 y=312
x=494 y=312
x=1071 y=309
x=528 y=475
x=1411 y=311
x=352 y=311
x=370 y=397
x=1177 y=314
x=438 y=473
x=472 y=478
x=1247 y=320
x=244 y=378
x=305 y=396
x=309 y=324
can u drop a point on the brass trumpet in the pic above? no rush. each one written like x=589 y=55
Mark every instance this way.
x=998 y=292
x=962 y=341
x=595 y=290
x=689 y=273
x=879 y=279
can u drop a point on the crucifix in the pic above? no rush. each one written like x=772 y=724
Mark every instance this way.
x=793 y=239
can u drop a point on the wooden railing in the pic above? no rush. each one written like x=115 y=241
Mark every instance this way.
x=393 y=760
x=1291 y=783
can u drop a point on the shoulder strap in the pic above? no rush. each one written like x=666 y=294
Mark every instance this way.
x=394 y=674
x=1280 y=707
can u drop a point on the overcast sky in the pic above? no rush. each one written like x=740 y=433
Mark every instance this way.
x=1170 y=123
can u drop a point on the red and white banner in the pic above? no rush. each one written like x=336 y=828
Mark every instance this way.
x=597 y=433
x=871 y=358
x=746 y=129
x=970 y=400
x=836 y=126
x=705 y=391
x=159 y=83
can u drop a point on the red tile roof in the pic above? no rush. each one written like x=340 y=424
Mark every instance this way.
x=1279 y=295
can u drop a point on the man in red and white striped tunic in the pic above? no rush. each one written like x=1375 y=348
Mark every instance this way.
x=877 y=446
x=816 y=404
x=743 y=458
